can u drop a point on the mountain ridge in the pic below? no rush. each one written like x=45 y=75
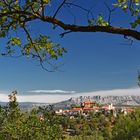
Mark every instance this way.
x=124 y=100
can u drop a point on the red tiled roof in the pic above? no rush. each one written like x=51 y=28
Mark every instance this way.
x=85 y=108
x=88 y=102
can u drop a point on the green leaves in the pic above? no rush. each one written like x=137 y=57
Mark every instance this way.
x=135 y=23
x=124 y=2
x=127 y=127
x=46 y=1
x=15 y=16
x=99 y=21
x=136 y=2
x=15 y=41
x=130 y=6
x=43 y=48
x=138 y=78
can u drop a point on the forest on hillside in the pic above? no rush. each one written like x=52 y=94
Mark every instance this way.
x=43 y=123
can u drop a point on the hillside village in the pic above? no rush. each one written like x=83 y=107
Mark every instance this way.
x=90 y=106
x=90 y=109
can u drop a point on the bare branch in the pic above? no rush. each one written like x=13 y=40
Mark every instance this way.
x=82 y=8
x=58 y=9
x=74 y=17
x=129 y=39
x=68 y=3
x=38 y=56
x=42 y=6
x=110 y=12
x=62 y=34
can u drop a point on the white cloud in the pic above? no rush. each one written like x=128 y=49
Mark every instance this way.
x=42 y=98
x=52 y=91
x=52 y=98
x=114 y=92
x=3 y=97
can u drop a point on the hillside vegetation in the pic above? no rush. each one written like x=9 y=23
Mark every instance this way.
x=43 y=124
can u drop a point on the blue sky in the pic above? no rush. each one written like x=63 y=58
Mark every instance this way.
x=95 y=61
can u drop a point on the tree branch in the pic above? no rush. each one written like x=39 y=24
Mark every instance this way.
x=76 y=28
x=37 y=53
x=106 y=29
x=72 y=4
x=59 y=8
x=110 y=12
x=62 y=34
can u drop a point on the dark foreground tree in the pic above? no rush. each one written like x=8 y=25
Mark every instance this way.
x=16 y=16
x=36 y=124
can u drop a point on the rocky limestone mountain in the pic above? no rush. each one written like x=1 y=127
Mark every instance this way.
x=127 y=100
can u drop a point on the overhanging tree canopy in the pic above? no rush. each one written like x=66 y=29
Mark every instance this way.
x=17 y=15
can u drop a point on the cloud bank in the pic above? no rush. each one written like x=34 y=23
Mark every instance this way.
x=62 y=95
x=57 y=92
x=115 y=92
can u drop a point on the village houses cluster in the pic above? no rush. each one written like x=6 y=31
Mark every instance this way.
x=89 y=106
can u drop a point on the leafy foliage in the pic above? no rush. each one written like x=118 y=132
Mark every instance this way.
x=132 y=6
x=17 y=16
x=99 y=21
x=127 y=127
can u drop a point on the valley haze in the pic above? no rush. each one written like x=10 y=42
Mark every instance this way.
x=54 y=96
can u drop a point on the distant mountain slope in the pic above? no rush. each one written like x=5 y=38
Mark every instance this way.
x=133 y=100
x=26 y=105
x=115 y=100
